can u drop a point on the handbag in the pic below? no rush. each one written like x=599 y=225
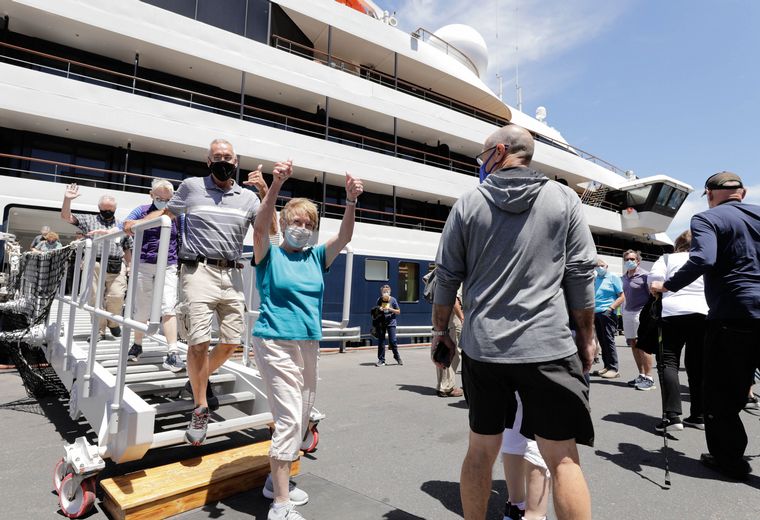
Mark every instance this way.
x=650 y=321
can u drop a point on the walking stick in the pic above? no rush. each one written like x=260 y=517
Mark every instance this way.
x=661 y=377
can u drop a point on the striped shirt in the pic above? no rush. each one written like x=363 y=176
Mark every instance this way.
x=216 y=221
x=86 y=223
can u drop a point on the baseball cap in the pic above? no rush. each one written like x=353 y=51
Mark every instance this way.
x=723 y=181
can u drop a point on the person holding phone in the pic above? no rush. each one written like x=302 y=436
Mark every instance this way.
x=389 y=307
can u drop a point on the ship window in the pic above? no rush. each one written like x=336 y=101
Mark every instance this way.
x=182 y=7
x=231 y=17
x=408 y=282
x=664 y=195
x=375 y=270
x=638 y=196
x=676 y=199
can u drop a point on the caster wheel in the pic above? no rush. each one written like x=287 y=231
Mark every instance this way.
x=59 y=473
x=309 y=444
x=75 y=500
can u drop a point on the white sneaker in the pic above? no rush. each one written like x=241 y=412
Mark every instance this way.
x=298 y=497
x=284 y=513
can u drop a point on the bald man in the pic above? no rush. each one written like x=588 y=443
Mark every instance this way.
x=520 y=245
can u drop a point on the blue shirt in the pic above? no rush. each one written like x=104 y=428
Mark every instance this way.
x=291 y=286
x=389 y=317
x=152 y=236
x=607 y=288
x=725 y=248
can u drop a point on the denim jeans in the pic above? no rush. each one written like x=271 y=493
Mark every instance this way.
x=391 y=343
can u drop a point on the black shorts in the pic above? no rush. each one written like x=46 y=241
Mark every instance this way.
x=554 y=396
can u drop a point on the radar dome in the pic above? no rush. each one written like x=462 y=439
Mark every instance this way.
x=467 y=40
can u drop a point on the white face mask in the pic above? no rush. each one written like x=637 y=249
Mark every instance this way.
x=297 y=237
x=386 y=293
x=630 y=264
x=160 y=204
x=601 y=271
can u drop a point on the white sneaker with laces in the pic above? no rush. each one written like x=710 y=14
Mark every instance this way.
x=287 y=512
x=297 y=496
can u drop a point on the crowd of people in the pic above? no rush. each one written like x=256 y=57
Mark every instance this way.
x=516 y=265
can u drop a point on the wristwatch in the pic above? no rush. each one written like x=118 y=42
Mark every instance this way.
x=444 y=332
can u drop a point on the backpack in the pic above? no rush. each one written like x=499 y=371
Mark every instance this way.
x=431 y=282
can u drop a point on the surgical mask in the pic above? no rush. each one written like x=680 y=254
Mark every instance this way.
x=160 y=204
x=222 y=170
x=482 y=172
x=600 y=271
x=106 y=214
x=630 y=264
x=386 y=293
x=297 y=237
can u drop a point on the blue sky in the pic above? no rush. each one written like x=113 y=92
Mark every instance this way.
x=658 y=87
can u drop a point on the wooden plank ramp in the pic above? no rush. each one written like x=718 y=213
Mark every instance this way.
x=174 y=488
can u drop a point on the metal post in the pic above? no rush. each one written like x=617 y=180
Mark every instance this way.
x=327 y=117
x=126 y=166
x=329 y=45
x=242 y=93
x=395 y=70
x=269 y=24
x=324 y=193
x=395 y=137
x=95 y=329
x=82 y=249
x=134 y=72
x=394 y=204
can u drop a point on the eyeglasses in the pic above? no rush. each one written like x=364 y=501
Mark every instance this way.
x=479 y=159
x=219 y=157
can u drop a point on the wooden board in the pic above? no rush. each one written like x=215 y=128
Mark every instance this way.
x=169 y=490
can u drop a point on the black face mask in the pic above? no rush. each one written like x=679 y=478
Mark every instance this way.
x=222 y=170
x=106 y=214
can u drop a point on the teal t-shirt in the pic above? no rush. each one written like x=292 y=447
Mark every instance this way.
x=606 y=291
x=291 y=286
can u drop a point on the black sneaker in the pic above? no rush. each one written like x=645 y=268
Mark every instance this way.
x=196 y=430
x=695 y=421
x=211 y=399
x=512 y=512
x=398 y=360
x=671 y=424
x=115 y=331
x=135 y=351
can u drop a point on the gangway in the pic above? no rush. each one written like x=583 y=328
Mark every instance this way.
x=136 y=407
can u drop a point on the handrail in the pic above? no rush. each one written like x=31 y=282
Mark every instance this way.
x=420 y=35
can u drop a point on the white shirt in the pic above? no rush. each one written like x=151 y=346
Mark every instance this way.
x=690 y=299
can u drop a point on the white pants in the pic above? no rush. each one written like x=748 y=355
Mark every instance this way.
x=289 y=369
x=514 y=443
x=146 y=274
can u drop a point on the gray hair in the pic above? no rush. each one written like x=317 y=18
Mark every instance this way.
x=106 y=198
x=45 y=230
x=633 y=252
x=161 y=183
x=220 y=141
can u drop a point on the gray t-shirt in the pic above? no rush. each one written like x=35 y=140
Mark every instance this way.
x=522 y=248
x=216 y=221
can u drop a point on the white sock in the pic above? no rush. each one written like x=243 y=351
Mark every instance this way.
x=173 y=348
x=280 y=505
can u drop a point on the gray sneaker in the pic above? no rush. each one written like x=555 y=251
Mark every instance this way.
x=196 y=430
x=284 y=513
x=646 y=383
x=635 y=382
x=173 y=362
x=298 y=497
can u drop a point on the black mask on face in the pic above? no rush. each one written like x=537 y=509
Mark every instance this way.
x=107 y=214
x=222 y=170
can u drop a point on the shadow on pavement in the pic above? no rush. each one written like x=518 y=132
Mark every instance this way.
x=447 y=493
x=418 y=389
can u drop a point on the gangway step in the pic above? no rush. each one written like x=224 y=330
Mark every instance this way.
x=148 y=358
x=185 y=405
x=174 y=384
x=181 y=486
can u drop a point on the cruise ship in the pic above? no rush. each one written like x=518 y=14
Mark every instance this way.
x=111 y=95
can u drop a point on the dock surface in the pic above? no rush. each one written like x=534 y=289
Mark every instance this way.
x=391 y=449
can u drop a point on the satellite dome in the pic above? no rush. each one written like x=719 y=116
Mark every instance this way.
x=467 y=40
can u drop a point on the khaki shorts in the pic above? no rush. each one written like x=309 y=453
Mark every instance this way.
x=146 y=274
x=208 y=291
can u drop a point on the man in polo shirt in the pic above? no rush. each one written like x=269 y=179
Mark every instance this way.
x=608 y=296
x=217 y=215
x=725 y=250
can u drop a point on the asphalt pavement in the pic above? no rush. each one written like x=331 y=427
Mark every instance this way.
x=391 y=449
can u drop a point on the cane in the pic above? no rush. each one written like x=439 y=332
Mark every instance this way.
x=661 y=377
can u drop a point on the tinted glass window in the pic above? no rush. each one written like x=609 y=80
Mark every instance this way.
x=257 y=22
x=638 y=196
x=228 y=15
x=408 y=281
x=676 y=199
x=376 y=270
x=664 y=194
x=183 y=7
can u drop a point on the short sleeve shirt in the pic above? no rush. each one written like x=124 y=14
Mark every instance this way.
x=606 y=290
x=216 y=221
x=636 y=290
x=390 y=317
x=291 y=286
x=87 y=223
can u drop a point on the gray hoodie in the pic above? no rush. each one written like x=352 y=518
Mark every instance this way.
x=521 y=247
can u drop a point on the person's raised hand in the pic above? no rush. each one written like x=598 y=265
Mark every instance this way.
x=72 y=191
x=256 y=179
x=283 y=170
x=354 y=187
